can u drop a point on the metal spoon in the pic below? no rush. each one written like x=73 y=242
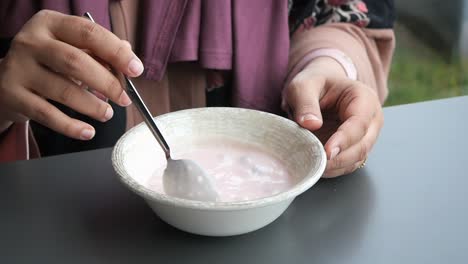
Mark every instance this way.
x=182 y=178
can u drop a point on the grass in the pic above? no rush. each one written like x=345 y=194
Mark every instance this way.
x=419 y=73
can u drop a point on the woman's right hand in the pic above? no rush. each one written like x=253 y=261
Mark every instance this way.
x=45 y=59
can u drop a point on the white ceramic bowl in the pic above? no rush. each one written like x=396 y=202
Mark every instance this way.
x=136 y=155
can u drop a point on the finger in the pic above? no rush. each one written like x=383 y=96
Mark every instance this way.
x=342 y=171
x=103 y=63
x=348 y=134
x=60 y=89
x=358 y=151
x=85 y=34
x=356 y=106
x=303 y=95
x=41 y=111
x=349 y=97
x=98 y=95
x=75 y=63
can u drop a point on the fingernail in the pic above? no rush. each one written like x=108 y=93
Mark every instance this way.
x=87 y=134
x=309 y=117
x=109 y=113
x=135 y=67
x=334 y=152
x=124 y=100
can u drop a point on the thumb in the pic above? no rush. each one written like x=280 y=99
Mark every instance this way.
x=303 y=96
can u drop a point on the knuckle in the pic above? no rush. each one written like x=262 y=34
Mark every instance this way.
x=337 y=162
x=352 y=135
x=42 y=114
x=44 y=14
x=112 y=88
x=45 y=18
x=27 y=45
x=67 y=93
x=296 y=84
x=119 y=52
x=349 y=96
x=301 y=82
x=346 y=140
x=292 y=89
x=88 y=31
x=68 y=127
x=31 y=33
x=72 y=61
x=22 y=40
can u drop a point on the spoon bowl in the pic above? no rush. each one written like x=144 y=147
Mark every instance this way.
x=185 y=179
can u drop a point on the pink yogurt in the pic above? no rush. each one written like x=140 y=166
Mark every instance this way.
x=239 y=171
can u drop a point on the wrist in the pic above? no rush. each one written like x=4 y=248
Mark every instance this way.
x=324 y=62
x=326 y=67
x=327 y=62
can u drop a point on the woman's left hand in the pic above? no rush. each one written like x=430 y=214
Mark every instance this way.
x=345 y=115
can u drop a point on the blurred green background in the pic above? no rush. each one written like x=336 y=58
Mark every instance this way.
x=420 y=72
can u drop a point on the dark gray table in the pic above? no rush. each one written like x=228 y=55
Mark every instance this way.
x=409 y=205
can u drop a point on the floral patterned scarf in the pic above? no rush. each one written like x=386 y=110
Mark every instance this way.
x=304 y=14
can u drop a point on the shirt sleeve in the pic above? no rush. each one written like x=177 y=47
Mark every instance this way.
x=357 y=34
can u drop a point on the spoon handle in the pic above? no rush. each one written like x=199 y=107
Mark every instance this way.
x=140 y=105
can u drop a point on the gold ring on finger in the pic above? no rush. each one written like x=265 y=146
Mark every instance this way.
x=362 y=164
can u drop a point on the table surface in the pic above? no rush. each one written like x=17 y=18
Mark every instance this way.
x=409 y=205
